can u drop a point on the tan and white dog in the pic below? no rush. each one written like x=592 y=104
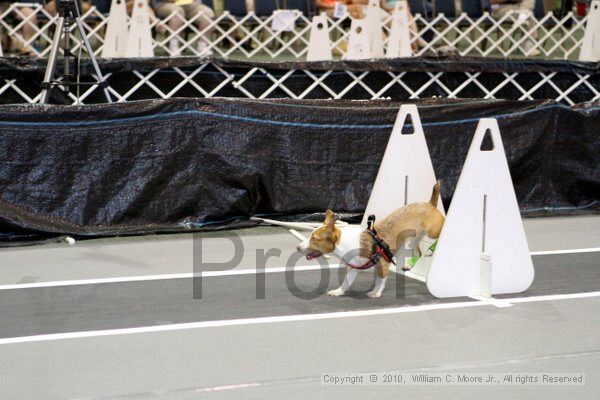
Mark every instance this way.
x=354 y=246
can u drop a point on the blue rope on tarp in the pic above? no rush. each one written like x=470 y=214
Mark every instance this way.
x=259 y=121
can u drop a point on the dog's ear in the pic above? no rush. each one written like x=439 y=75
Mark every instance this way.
x=330 y=220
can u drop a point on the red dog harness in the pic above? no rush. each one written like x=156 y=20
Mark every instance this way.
x=379 y=250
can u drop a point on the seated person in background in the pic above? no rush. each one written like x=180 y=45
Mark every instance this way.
x=326 y=6
x=523 y=11
x=83 y=6
x=501 y=7
x=355 y=7
x=186 y=9
x=103 y=6
x=389 y=5
x=20 y=46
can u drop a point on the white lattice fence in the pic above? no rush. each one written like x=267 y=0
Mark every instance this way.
x=509 y=36
x=217 y=79
x=252 y=37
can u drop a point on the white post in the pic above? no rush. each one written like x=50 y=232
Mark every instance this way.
x=139 y=41
x=590 y=47
x=399 y=39
x=485 y=276
x=115 y=40
x=483 y=225
x=319 y=46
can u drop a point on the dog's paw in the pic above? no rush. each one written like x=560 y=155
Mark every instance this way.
x=336 y=293
x=374 y=294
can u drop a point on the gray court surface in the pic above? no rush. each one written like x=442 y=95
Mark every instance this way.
x=255 y=335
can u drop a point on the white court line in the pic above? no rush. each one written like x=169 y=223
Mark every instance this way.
x=552 y=297
x=141 y=278
x=208 y=274
x=286 y=318
x=570 y=251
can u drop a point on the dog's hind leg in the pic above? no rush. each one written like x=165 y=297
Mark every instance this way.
x=350 y=276
x=382 y=271
x=413 y=244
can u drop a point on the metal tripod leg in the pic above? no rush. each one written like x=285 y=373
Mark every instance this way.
x=51 y=68
x=93 y=59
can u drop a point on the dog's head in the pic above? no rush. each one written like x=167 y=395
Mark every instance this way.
x=322 y=240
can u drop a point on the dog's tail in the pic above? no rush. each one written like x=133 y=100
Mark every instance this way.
x=435 y=194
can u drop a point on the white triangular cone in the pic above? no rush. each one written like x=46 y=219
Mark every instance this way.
x=406 y=160
x=139 y=41
x=375 y=30
x=457 y=265
x=115 y=40
x=319 y=46
x=590 y=47
x=399 y=39
x=359 y=46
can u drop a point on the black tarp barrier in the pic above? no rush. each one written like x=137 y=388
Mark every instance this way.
x=189 y=164
x=211 y=73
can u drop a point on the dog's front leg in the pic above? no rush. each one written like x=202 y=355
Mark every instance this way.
x=350 y=276
x=378 y=288
x=381 y=274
